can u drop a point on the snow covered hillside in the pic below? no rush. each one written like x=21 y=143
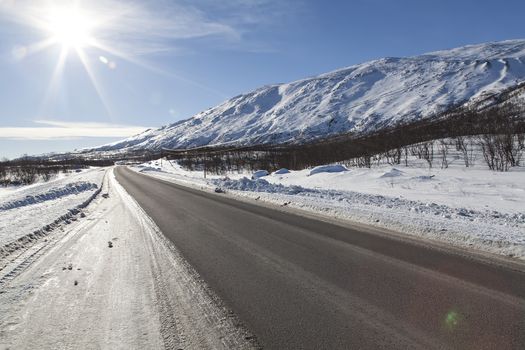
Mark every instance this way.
x=360 y=98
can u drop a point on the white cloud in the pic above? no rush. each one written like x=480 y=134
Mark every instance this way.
x=53 y=129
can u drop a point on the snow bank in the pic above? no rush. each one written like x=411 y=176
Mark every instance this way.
x=336 y=168
x=261 y=185
x=30 y=212
x=149 y=168
x=281 y=171
x=489 y=230
x=392 y=173
x=259 y=173
x=54 y=193
x=257 y=185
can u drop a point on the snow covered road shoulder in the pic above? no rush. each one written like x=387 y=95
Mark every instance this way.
x=485 y=230
x=114 y=281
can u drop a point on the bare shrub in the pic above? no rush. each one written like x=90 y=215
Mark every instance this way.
x=393 y=156
x=465 y=146
x=443 y=150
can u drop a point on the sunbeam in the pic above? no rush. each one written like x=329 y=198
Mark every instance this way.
x=140 y=63
x=56 y=76
x=94 y=81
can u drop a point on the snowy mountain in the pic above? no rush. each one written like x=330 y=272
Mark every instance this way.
x=361 y=98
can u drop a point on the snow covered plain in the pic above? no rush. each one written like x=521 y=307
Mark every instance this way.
x=467 y=207
x=30 y=212
x=111 y=280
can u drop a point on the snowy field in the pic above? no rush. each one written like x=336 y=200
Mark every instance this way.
x=467 y=207
x=30 y=212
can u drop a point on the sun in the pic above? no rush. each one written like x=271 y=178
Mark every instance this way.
x=83 y=30
x=70 y=27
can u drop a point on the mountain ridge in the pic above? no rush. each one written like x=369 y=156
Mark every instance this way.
x=361 y=98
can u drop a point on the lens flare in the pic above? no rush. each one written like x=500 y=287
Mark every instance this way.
x=452 y=319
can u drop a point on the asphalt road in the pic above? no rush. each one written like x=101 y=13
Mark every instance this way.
x=301 y=283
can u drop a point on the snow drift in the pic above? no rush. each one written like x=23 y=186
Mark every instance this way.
x=334 y=168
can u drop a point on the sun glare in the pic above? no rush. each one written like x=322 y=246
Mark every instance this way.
x=83 y=30
x=70 y=27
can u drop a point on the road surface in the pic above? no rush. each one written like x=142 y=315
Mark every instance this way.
x=301 y=283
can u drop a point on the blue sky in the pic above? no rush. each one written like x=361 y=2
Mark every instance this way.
x=150 y=63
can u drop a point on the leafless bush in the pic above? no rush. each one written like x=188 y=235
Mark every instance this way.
x=393 y=156
x=443 y=150
x=364 y=161
x=424 y=150
x=465 y=146
x=15 y=173
x=502 y=151
x=520 y=145
x=493 y=153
